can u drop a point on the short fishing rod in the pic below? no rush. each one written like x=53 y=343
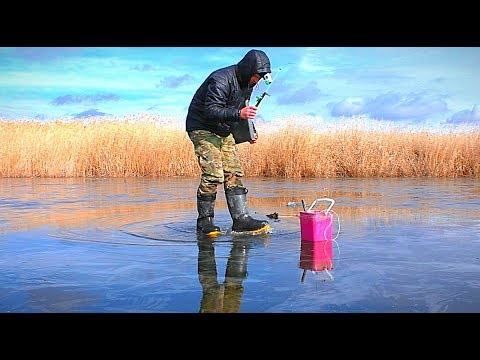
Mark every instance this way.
x=268 y=81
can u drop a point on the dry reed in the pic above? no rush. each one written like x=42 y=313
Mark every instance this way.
x=150 y=147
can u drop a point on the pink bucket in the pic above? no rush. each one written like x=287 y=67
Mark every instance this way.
x=316 y=255
x=316 y=225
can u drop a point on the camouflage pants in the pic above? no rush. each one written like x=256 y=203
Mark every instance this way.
x=218 y=160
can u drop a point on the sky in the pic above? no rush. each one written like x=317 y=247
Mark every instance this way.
x=425 y=86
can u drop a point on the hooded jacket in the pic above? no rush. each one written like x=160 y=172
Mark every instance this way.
x=216 y=103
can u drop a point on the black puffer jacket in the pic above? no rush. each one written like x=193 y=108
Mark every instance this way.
x=216 y=103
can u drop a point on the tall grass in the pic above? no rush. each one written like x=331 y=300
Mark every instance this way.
x=293 y=148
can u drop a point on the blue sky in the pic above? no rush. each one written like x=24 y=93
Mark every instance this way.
x=428 y=86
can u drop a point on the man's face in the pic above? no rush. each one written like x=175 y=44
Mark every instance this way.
x=255 y=79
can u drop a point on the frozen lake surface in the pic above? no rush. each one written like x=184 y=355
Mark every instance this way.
x=129 y=246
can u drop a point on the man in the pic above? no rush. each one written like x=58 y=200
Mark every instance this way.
x=221 y=101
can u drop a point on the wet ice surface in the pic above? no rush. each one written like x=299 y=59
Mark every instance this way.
x=129 y=245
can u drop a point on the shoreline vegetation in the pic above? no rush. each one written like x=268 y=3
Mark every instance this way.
x=150 y=147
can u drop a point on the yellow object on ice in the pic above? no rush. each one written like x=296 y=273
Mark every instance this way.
x=262 y=230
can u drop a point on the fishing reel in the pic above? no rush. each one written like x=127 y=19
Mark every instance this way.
x=268 y=78
x=260 y=98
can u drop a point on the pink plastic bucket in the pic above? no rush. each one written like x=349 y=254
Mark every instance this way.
x=315 y=225
x=316 y=255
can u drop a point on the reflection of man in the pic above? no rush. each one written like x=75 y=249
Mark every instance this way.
x=226 y=297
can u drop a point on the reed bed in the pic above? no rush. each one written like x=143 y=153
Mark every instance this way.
x=291 y=148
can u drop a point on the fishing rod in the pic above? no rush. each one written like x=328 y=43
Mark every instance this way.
x=268 y=81
x=245 y=131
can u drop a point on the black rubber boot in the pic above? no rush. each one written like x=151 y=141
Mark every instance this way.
x=237 y=206
x=205 y=207
x=212 y=291
x=235 y=274
x=236 y=270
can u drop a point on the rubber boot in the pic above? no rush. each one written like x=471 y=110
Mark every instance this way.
x=235 y=274
x=205 y=207
x=212 y=291
x=242 y=221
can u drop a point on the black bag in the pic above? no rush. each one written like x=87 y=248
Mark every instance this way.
x=243 y=131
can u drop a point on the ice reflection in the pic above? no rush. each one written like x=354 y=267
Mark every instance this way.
x=223 y=296
x=316 y=256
